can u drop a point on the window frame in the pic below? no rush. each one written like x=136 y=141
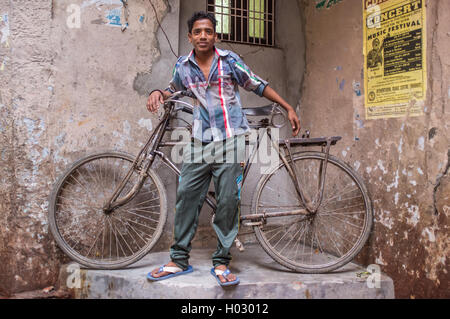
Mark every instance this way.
x=239 y=19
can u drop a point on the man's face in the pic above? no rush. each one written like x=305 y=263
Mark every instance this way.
x=203 y=36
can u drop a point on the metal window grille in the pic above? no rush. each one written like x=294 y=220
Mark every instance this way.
x=245 y=21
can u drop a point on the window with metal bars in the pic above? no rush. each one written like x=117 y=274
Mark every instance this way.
x=244 y=21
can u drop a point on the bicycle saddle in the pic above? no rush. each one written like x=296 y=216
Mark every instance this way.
x=259 y=111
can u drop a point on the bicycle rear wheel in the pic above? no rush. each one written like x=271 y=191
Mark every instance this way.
x=320 y=242
x=83 y=230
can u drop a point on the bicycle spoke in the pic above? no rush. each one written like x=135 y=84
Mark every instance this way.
x=132 y=228
x=144 y=217
x=345 y=221
x=334 y=242
x=343 y=208
x=103 y=239
x=298 y=242
x=304 y=241
x=290 y=227
x=126 y=242
x=75 y=194
x=103 y=178
x=110 y=238
x=145 y=202
x=117 y=240
x=82 y=177
x=339 y=194
x=293 y=237
x=71 y=238
x=79 y=183
x=274 y=235
x=143 y=208
x=149 y=192
x=360 y=212
x=312 y=245
x=130 y=220
x=96 y=239
x=89 y=195
x=145 y=211
x=89 y=208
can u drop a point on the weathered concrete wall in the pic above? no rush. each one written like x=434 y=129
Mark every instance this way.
x=404 y=161
x=6 y=135
x=27 y=253
x=67 y=89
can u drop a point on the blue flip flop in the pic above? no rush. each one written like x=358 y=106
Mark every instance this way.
x=224 y=274
x=169 y=269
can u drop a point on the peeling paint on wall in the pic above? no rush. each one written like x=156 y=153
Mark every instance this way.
x=395 y=183
x=414 y=215
x=4 y=63
x=99 y=3
x=146 y=123
x=114 y=16
x=111 y=16
x=4 y=29
x=421 y=143
x=357 y=88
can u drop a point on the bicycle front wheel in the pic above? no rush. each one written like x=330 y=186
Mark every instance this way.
x=317 y=242
x=90 y=236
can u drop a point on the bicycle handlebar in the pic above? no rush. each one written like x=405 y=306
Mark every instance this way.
x=188 y=108
x=175 y=96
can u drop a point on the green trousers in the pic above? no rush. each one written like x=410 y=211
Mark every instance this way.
x=196 y=174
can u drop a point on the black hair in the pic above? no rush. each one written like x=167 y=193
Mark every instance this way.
x=200 y=15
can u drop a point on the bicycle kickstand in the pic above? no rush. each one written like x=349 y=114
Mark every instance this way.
x=239 y=245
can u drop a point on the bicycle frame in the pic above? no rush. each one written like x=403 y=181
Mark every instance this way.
x=147 y=156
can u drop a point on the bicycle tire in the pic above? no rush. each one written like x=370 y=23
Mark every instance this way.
x=130 y=223
x=326 y=256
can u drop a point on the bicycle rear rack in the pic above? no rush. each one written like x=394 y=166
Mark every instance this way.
x=325 y=142
x=318 y=141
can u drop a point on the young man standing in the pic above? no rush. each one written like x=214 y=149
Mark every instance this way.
x=213 y=76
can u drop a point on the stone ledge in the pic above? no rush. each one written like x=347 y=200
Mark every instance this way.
x=261 y=278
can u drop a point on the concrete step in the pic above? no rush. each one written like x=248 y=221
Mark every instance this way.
x=260 y=278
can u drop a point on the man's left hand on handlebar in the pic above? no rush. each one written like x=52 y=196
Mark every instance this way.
x=273 y=96
x=295 y=122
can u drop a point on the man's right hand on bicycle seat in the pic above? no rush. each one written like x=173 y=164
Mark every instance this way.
x=154 y=100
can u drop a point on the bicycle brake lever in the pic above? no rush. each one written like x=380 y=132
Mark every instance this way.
x=277 y=112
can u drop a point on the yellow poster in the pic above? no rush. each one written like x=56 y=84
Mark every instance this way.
x=394 y=58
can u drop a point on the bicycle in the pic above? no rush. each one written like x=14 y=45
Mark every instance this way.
x=108 y=210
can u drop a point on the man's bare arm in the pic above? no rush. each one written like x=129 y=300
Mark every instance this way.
x=273 y=96
x=156 y=99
